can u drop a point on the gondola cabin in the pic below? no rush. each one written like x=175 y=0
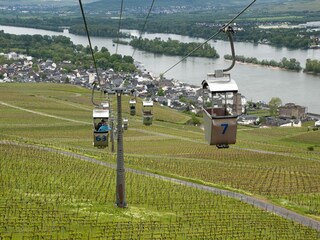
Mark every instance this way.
x=101 y=127
x=132 y=105
x=221 y=103
x=147 y=112
x=125 y=123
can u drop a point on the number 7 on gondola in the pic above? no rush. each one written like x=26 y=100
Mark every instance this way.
x=225 y=127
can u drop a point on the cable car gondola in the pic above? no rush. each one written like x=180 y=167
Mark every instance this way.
x=132 y=105
x=220 y=110
x=125 y=123
x=147 y=112
x=221 y=104
x=100 y=116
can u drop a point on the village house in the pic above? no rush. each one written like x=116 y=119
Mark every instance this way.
x=248 y=120
x=291 y=110
x=145 y=85
x=282 y=122
x=292 y=123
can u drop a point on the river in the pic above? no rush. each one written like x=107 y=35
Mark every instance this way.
x=254 y=82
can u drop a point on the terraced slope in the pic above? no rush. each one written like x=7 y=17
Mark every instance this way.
x=41 y=190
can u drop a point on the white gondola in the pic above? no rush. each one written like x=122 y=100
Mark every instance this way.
x=147 y=112
x=132 y=105
x=125 y=123
x=221 y=106
x=101 y=127
x=221 y=103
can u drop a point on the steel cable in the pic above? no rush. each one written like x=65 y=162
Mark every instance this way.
x=92 y=53
x=119 y=26
x=144 y=25
x=211 y=37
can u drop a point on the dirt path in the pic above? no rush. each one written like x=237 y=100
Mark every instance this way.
x=42 y=114
x=262 y=204
x=156 y=133
x=68 y=103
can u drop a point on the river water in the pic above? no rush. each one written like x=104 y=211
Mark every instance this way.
x=254 y=82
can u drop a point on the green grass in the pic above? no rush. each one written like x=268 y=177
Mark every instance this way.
x=259 y=112
x=298 y=6
x=272 y=163
x=49 y=195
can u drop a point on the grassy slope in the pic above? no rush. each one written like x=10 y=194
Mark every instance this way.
x=295 y=6
x=46 y=195
x=44 y=2
x=170 y=148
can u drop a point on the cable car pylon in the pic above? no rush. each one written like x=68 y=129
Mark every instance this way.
x=120 y=184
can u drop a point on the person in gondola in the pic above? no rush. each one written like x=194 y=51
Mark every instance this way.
x=103 y=127
x=99 y=124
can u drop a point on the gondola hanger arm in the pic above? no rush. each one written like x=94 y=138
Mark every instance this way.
x=210 y=38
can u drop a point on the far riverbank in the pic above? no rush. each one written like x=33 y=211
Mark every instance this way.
x=253 y=82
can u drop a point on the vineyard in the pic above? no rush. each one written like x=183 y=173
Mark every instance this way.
x=48 y=195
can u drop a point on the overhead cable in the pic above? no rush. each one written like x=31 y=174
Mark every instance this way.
x=211 y=37
x=91 y=49
x=119 y=26
x=144 y=25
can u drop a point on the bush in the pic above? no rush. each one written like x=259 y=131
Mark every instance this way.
x=311 y=148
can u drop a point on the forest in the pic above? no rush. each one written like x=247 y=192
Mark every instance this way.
x=174 y=47
x=312 y=66
x=288 y=64
x=60 y=48
x=291 y=38
x=196 y=22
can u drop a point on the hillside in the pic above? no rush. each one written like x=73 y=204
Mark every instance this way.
x=195 y=4
x=41 y=2
x=54 y=184
x=131 y=2
x=115 y=4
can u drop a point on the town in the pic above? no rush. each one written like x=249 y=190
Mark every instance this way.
x=167 y=92
x=101 y=139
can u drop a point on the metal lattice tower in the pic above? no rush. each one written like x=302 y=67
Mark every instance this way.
x=120 y=185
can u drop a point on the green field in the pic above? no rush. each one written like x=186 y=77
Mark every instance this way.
x=294 y=6
x=50 y=195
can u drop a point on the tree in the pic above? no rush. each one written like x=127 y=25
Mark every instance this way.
x=104 y=50
x=66 y=80
x=35 y=68
x=312 y=66
x=274 y=104
x=160 y=92
x=195 y=120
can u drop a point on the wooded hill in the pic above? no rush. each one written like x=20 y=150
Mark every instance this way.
x=115 y=4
